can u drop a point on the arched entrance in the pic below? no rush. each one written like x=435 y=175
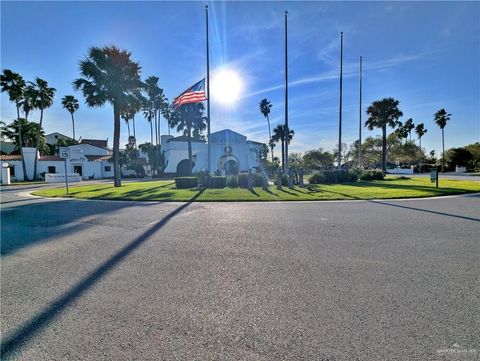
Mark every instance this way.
x=231 y=167
x=182 y=168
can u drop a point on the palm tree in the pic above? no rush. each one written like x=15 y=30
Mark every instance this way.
x=420 y=131
x=409 y=126
x=43 y=99
x=14 y=85
x=190 y=120
x=108 y=75
x=149 y=114
x=71 y=104
x=156 y=97
x=383 y=113
x=265 y=107
x=279 y=135
x=30 y=132
x=124 y=116
x=441 y=118
x=28 y=101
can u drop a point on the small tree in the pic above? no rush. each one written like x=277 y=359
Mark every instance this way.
x=420 y=131
x=70 y=103
x=265 y=107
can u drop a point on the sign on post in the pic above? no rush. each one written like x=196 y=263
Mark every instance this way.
x=434 y=177
x=65 y=153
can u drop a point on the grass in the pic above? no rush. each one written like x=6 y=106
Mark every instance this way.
x=392 y=187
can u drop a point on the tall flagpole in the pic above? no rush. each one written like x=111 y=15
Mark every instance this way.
x=360 y=118
x=286 y=96
x=208 y=95
x=339 y=156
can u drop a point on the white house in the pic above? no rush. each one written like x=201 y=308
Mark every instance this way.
x=231 y=152
x=89 y=161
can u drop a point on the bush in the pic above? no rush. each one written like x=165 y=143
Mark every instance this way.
x=257 y=180
x=203 y=178
x=232 y=181
x=218 y=181
x=242 y=180
x=186 y=182
x=369 y=175
x=140 y=171
x=332 y=177
x=284 y=180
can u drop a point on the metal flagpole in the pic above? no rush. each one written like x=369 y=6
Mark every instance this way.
x=286 y=96
x=208 y=95
x=339 y=157
x=360 y=120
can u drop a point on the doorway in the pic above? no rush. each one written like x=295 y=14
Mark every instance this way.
x=78 y=169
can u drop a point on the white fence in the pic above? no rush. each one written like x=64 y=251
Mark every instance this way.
x=400 y=170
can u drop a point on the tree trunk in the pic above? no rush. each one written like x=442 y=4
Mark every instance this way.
x=443 y=151
x=134 y=134
x=128 y=129
x=156 y=128
x=159 y=138
x=20 y=140
x=151 y=132
x=73 y=126
x=37 y=146
x=189 y=139
x=270 y=136
x=384 y=148
x=116 y=145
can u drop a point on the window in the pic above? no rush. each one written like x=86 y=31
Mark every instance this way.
x=52 y=170
x=12 y=171
x=108 y=168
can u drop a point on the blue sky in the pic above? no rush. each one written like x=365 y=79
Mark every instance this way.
x=425 y=54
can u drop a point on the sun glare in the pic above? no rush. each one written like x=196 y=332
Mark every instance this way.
x=226 y=86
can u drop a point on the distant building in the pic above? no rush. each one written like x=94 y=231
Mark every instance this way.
x=95 y=142
x=53 y=138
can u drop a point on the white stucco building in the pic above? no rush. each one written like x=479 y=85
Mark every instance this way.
x=231 y=152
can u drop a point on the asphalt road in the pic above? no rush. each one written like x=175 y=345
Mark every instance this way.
x=355 y=280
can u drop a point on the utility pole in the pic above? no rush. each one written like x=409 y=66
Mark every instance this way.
x=360 y=119
x=209 y=149
x=339 y=156
x=286 y=96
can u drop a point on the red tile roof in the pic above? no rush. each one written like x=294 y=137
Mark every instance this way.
x=98 y=158
x=10 y=157
x=95 y=142
x=50 y=158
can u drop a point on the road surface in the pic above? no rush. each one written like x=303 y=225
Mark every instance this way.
x=352 y=280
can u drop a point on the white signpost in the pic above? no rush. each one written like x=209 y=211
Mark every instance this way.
x=65 y=153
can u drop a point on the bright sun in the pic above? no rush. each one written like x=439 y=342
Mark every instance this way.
x=226 y=86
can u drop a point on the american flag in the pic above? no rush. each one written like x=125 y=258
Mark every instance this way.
x=194 y=94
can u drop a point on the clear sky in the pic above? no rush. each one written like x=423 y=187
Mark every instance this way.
x=425 y=54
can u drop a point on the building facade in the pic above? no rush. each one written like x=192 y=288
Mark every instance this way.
x=231 y=152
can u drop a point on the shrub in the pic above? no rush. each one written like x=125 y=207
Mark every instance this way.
x=369 y=175
x=232 y=181
x=284 y=180
x=186 y=182
x=242 y=180
x=332 y=177
x=257 y=180
x=203 y=178
x=140 y=171
x=218 y=181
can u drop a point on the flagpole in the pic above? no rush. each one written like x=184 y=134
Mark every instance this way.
x=208 y=95
x=286 y=97
x=360 y=118
x=339 y=156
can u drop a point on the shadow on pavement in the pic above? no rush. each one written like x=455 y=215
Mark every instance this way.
x=12 y=344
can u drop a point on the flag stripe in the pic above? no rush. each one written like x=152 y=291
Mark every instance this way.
x=194 y=94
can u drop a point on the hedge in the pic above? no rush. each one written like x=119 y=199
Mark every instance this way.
x=186 y=182
x=332 y=177
x=369 y=175
x=218 y=181
x=232 y=181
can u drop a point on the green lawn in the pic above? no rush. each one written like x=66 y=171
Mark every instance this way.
x=392 y=187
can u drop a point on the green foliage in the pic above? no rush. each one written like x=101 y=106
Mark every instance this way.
x=218 y=181
x=369 y=175
x=318 y=159
x=242 y=179
x=332 y=177
x=140 y=171
x=257 y=180
x=186 y=182
x=31 y=131
x=284 y=180
x=459 y=157
x=232 y=181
